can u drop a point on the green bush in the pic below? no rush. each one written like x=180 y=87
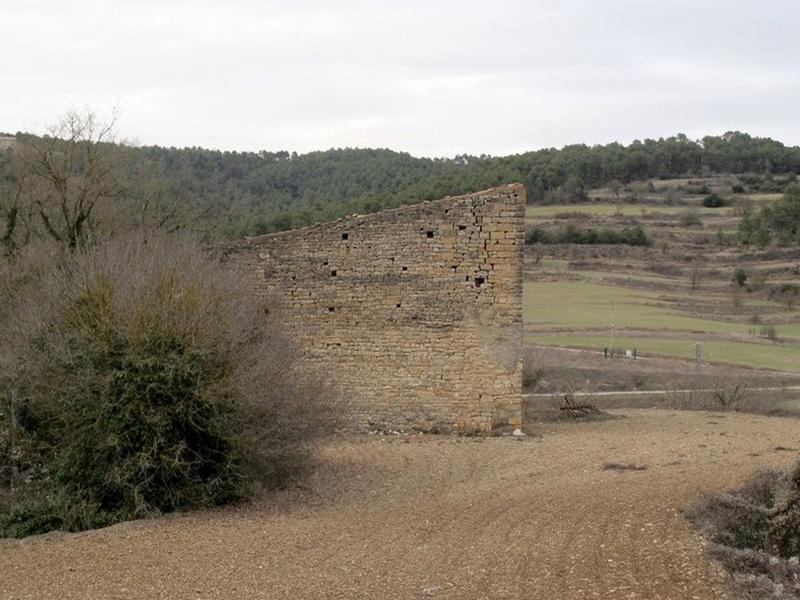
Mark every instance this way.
x=631 y=236
x=144 y=378
x=779 y=221
x=537 y=235
x=739 y=276
x=713 y=200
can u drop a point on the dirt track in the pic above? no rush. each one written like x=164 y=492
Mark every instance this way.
x=440 y=517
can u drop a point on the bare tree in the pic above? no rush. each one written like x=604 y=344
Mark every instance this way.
x=158 y=203
x=67 y=174
x=695 y=276
x=80 y=183
x=615 y=185
x=9 y=215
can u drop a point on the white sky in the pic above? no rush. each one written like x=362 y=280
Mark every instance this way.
x=432 y=78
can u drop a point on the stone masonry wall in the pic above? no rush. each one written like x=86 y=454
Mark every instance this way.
x=414 y=313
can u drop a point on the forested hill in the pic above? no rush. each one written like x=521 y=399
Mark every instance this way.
x=266 y=191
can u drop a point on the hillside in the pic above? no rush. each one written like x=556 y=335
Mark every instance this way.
x=693 y=286
x=258 y=192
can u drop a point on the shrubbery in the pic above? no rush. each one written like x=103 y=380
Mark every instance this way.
x=141 y=377
x=756 y=530
x=780 y=221
x=631 y=236
x=739 y=276
x=713 y=200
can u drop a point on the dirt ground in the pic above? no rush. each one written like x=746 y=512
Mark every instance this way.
x=440 y=517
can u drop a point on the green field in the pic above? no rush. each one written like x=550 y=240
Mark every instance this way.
x=588 y=305
x=573 y=313
x=754 y=354
x=644 y=296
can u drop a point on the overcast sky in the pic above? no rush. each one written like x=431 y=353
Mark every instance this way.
x=430 y=77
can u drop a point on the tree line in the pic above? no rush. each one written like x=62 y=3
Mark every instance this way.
x=247 y=193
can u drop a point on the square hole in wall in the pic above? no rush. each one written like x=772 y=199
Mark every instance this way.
x=333 y=272
x=429 y=233
x=462 y=227
x=479 y=281
x=345 y=235
x=405 y=269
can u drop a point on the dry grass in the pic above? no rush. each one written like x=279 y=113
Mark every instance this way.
x=618 y=466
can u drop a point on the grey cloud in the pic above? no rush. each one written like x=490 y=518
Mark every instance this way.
x=430 y=77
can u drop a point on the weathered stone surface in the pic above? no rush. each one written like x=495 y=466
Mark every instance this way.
x=414 y=313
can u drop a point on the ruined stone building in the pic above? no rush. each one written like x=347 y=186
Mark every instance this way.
x=414 y=313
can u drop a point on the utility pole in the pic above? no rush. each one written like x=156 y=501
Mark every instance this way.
x=698 y=355
x=613 y=328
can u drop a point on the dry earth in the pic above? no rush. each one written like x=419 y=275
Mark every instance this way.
x=441 y=517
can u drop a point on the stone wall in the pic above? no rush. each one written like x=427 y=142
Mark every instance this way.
x=414 y=313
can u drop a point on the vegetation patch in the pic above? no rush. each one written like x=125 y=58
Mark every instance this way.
x=623 y=466
x=779 y=221
x=630 y=236
x=141 y=377
x=756 y=534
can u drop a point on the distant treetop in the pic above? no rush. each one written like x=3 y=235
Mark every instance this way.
x=265 y=191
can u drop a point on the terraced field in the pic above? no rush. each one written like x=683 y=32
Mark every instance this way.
x=664 y=298
x=608 y=210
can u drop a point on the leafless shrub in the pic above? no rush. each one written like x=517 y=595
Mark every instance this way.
x=578 y=409
x=758 y=575
x=723 y=392
x=695 y=276
x=532 y=370
x=618 y=466
x=739 y=518
x=770 y=332
x=728 y=393
x=690 y=218
x=755 y=534
x=679 y=396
